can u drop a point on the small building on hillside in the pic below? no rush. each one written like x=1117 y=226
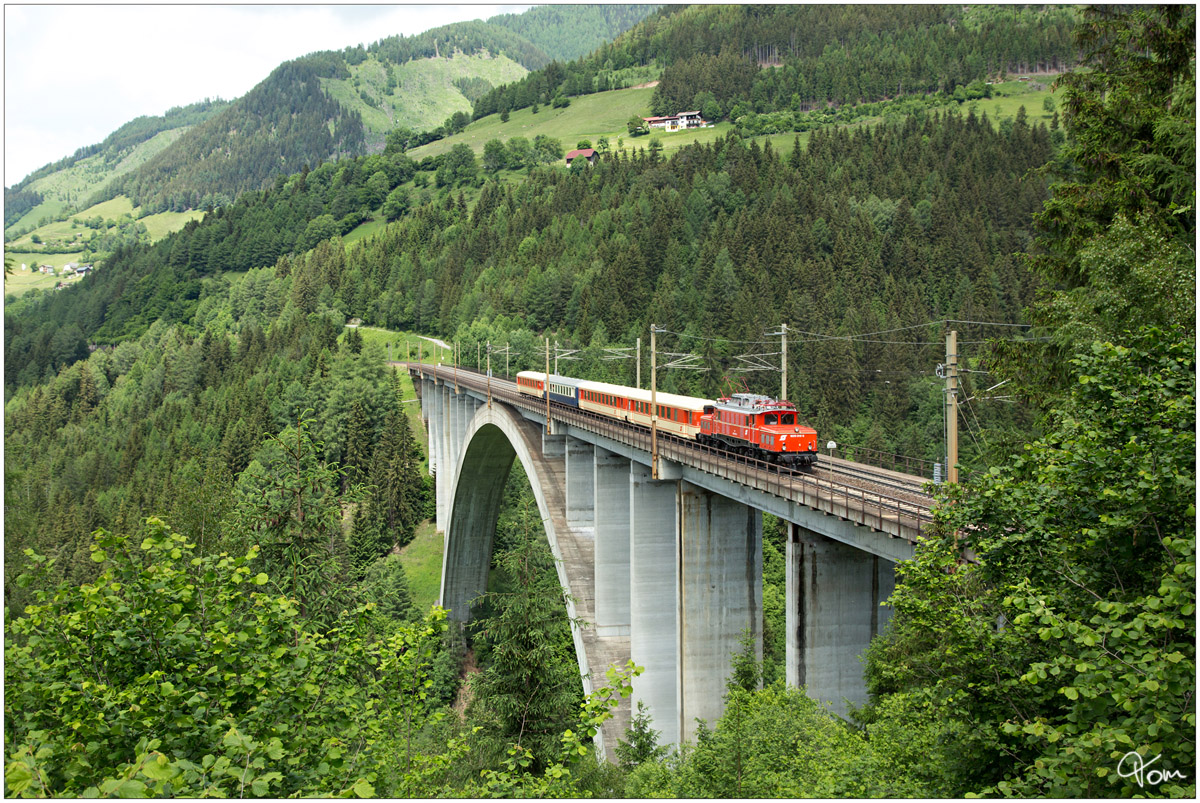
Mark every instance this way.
x=676 y=122
x=588 y=154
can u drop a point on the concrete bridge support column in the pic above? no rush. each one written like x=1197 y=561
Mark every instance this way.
x=461 y=405
x=554 y=447
x=429 y=405
x=580 y=483
x=445 y=457
x=721 y=597
x=834 y=593
x=654 y=599
x=612 y=502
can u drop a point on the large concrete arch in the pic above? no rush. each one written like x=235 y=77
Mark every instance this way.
x=493 y=439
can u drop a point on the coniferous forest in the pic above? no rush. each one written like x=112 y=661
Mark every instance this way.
x=208 y=476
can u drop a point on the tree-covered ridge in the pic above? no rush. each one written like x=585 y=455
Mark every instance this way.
x=292 y=533
x=568 y=32
x=153 y=423
x=467 y=37
x=863 y=232
x=135 y=131
x=288 y=122
x=1062 y=657
x=798 y=57
x=22 y=197
x=282 y=125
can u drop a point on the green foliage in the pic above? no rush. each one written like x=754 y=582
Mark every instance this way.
x=530 y=685
x=288 y=509
x=177 y=674
x=386 y=585
x=1069 y=643
x=397 y=203
x=1124 y=205
x=396 y=499
x=640 y=743
x=769 y=743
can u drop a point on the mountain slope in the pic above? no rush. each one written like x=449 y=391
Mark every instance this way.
x=322 y=106
x=280 y=126
x=63 y=187
x=798 y=57
x=419 y=94
x=568 y=32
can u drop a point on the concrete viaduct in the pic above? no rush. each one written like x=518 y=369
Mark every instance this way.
x=665 y=571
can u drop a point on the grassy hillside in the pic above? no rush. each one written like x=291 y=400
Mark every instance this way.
x=110 y=220
x=164 y=223
x=65 y=190
x=60 y=188
x=602 y=114
x=419 y=94
x=606 y=113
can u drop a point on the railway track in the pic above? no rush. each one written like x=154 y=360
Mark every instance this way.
x=883 y=479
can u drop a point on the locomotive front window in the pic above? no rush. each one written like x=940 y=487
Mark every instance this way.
x=770 y=418
x=787 y=418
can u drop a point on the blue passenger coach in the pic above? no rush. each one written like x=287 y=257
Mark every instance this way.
x=563 y=389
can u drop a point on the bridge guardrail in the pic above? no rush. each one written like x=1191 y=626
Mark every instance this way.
x=879 y=511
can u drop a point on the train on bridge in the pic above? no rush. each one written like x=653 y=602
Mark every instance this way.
x=745 y=423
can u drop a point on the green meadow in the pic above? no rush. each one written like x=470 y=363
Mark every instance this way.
x=605 y=114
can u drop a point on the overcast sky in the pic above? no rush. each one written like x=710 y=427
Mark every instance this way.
x=73 y=74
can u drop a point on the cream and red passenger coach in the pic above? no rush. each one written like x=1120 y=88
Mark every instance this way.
x=757 y=426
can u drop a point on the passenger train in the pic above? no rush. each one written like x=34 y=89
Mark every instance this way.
x=744 y=423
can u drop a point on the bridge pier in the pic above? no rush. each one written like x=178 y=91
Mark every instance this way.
x=581 y=481
x=834 y=594
x=720 y=597
x=653 y=599
x=611 y=504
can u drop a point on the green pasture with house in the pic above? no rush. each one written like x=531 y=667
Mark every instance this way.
x=588 y=116
x=605 y=114
x=19 y=281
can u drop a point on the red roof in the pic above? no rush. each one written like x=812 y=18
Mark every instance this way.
x=586 y=153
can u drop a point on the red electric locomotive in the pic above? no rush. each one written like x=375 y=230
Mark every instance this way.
x=760 y=427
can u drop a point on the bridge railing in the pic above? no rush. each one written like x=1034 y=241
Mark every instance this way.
x=877 y=510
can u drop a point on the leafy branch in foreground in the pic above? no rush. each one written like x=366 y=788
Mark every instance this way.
x=177 y=675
